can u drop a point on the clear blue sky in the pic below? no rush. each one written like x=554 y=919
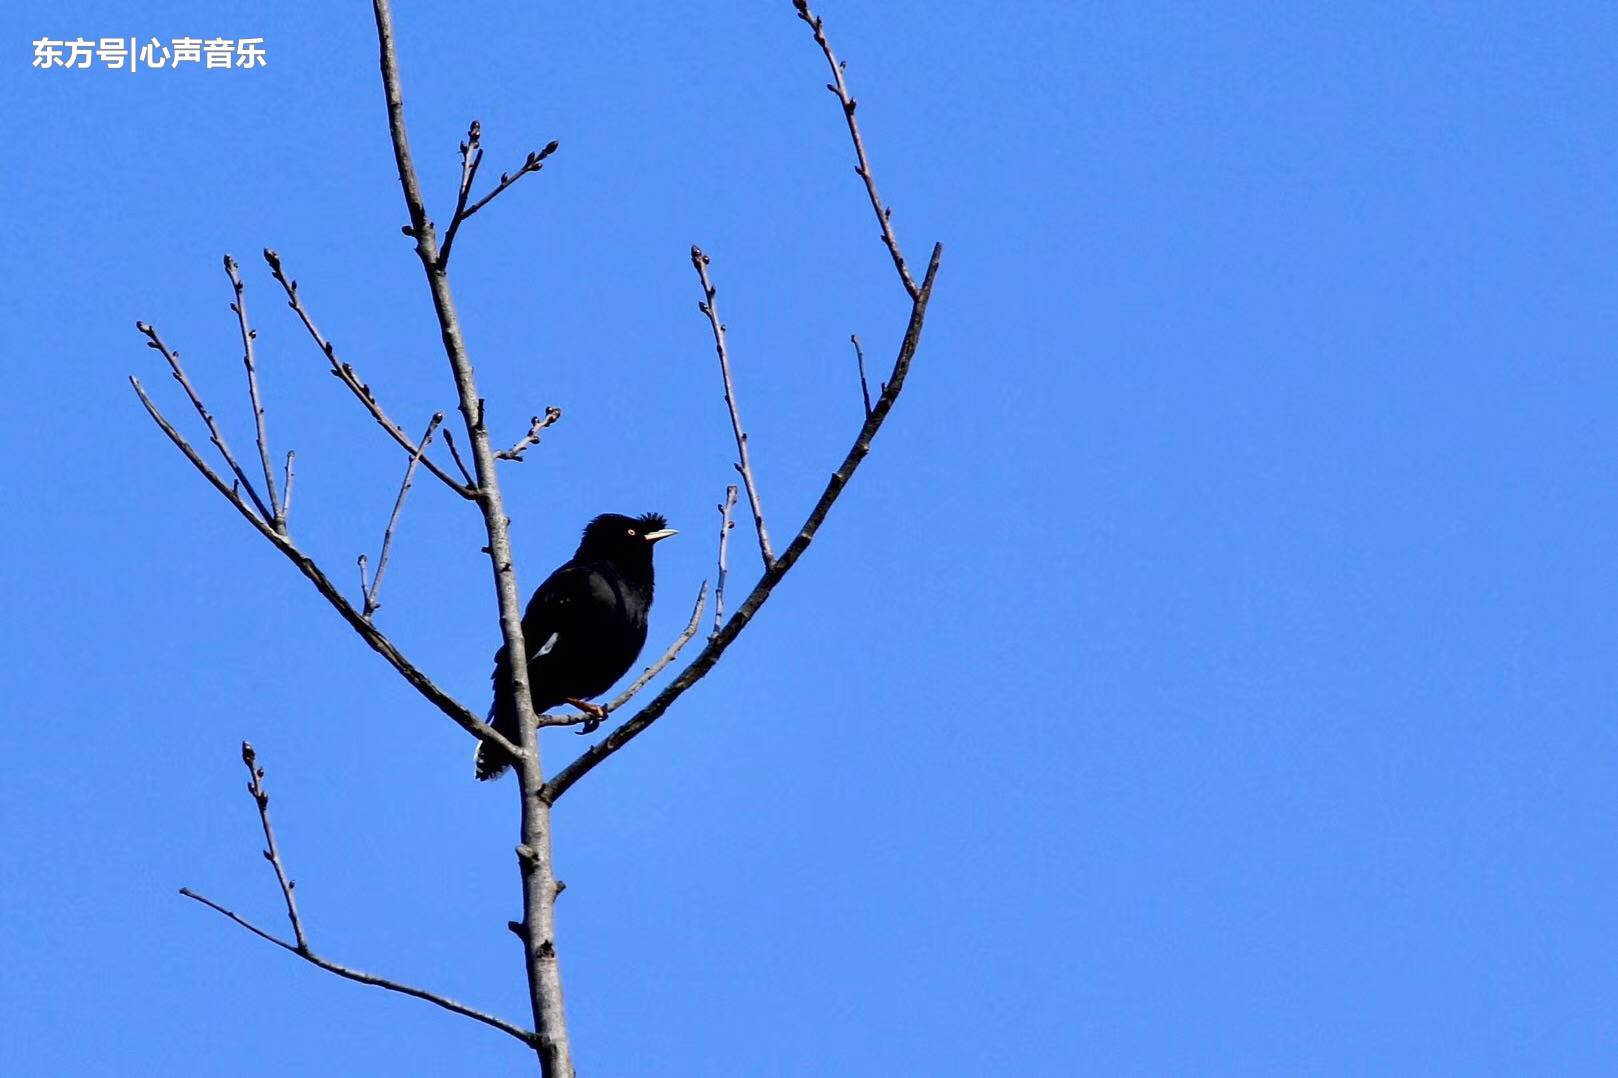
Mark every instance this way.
x=1212 y=670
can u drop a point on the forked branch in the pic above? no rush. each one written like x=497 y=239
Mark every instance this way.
x=440 y=699
x=698 y=668
x=877 y=413
x=471 y=158
x=301 y=948
x=265 y=513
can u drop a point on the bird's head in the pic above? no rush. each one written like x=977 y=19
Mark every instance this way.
x=627 y=540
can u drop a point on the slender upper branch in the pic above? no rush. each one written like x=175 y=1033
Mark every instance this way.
x=668 y=655
x=248 y=336
x=286 y=494
x=863 y=166
x=587 y=761
x=457 y=712
x=471 y=158
x=272 y=854
x=371 y=603
x=859 y=357
x=346 y=374
x=214 y=435
x=744 y=462
x=449 y=440
x=725 y=524
x=532 y=163
x=535 y=426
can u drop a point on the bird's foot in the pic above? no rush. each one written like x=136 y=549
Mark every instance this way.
x=595 y=714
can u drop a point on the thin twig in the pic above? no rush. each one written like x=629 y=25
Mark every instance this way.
x=471 y=158
x=694 y=672
x=218 y=439
x=532 y=163
x=371 y=605
x=362 y=977
x=286 y=494
x=449 y=440
x=248 y=336
x=725 y=524
x=865 y=387
x=863 y=167
x=531 y=439
x=346 y=374
x=667 y=657
x=744 y=464
x=272 y=854
x=457 y=712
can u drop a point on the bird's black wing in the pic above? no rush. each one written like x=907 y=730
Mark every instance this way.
x=543 y=623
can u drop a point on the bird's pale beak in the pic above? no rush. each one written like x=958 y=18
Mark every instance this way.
x=664 y=533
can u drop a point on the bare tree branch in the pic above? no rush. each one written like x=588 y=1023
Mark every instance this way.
x=379 y=643
x=775 y=570
x=346 y=374
x=668 y=656
x=588 y=760
x=532 y=163
x=286 y=496
x=248 y=335
x=471 y=158
x=725 y=524
x=534 y=858
x=531 y=439
x=272 y=854
x=744 y=463
x=449 y=440
x=863 y=166
x=865 y=387
x=362 y=977
x=218 y=439
x=371 y=605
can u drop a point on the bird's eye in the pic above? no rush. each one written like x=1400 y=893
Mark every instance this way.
x=631 y=533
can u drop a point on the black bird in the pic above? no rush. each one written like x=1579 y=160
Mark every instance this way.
x=584 y=627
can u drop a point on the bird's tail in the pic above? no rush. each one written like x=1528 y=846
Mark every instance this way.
x=492 y=761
